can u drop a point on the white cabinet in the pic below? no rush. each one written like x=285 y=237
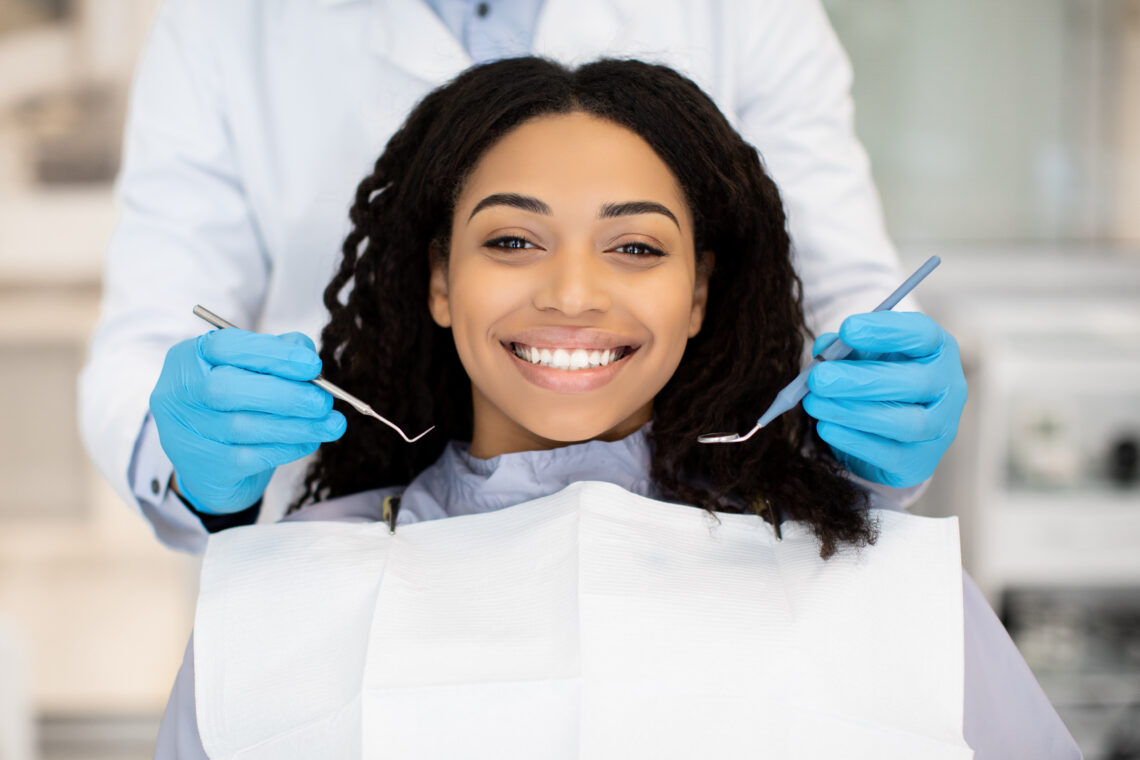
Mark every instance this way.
x=1043 y=472
x=1058 y=395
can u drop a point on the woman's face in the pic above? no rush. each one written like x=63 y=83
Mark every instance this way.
x=571 y=287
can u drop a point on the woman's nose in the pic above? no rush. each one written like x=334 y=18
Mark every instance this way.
x=574 y=281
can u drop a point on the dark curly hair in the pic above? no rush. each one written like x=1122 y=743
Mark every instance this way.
x=382 y=345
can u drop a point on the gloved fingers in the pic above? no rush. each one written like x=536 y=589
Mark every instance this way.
x=891 y=409
x=899 y=332
x=825 y=340
x=227 y=389
x=227 y=497
x=249 y=471
x=822 y=342
x=911 y=381
x=877 y=458
x=267 y=354
x=242 y=427
x=260 y=457
x=902 y=422
x=240 y=460
x=299 y=339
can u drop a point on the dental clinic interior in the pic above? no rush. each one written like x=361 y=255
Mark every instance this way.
x=1003 y=136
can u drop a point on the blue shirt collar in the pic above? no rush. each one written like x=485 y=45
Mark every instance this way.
x=459 y=483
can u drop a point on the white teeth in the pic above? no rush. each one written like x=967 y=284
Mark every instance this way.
x=564 y=359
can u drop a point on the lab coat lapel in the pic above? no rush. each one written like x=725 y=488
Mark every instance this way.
x=409 y=35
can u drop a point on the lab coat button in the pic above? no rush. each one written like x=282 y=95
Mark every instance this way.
x=155 y=486
x=483 y=9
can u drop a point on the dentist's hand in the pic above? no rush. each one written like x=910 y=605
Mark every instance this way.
x=890 y=410
x=232 y=405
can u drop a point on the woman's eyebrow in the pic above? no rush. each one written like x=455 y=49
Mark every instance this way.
x=608 y=211
x=525 y=202
x=630 y=208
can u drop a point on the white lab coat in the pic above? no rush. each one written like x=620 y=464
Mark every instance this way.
x=252 y=122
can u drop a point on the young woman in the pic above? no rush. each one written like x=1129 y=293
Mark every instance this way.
x=572 y=274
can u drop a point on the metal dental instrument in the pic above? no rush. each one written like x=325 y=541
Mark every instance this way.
x=320 y=382
x=794 y=392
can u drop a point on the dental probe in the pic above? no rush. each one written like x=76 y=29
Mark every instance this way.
x=320 y=382
x=794 y=392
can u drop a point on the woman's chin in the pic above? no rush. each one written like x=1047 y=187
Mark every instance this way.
x=578 y=427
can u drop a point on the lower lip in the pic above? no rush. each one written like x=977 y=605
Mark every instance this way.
x=568 y=381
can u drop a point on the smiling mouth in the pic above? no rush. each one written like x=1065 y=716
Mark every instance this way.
x=570 y=359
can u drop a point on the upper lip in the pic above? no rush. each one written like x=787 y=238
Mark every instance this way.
x=569 y=337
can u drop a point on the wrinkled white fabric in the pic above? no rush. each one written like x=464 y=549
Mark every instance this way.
x=590 y=623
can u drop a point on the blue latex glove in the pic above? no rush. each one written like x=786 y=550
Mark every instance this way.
x=232 y=405
x=891 y=409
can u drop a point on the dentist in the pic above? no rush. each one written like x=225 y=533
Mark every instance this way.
x=250 y=123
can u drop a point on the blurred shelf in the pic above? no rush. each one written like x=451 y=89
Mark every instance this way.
x=1103 y=499
x=1029 y=269
x=1058 y=540
x=56 y=236
x=93 y=736
x=1090 y=689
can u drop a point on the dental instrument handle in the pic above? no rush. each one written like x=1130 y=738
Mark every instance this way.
x=794 y=392
x=837 y=349
x=319 y=381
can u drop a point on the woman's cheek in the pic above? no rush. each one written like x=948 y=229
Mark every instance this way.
x=666 y=308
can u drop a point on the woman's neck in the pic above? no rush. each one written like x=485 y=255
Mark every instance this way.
x=504 y=436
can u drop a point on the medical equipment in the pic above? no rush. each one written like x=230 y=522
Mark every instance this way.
x=794 y=392
x=320 y=382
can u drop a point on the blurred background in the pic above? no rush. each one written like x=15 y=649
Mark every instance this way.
x=1004 y=136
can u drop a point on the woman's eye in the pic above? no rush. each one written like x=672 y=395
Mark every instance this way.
x=639 y=249
x=511 y=242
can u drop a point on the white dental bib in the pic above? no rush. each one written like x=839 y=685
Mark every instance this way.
x=592 y=623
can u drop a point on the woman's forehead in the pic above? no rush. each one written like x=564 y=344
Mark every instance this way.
x=570 y=161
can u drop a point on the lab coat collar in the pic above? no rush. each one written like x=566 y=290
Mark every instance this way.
x=409 y=34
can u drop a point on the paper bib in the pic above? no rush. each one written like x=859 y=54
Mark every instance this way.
x=593 y=623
